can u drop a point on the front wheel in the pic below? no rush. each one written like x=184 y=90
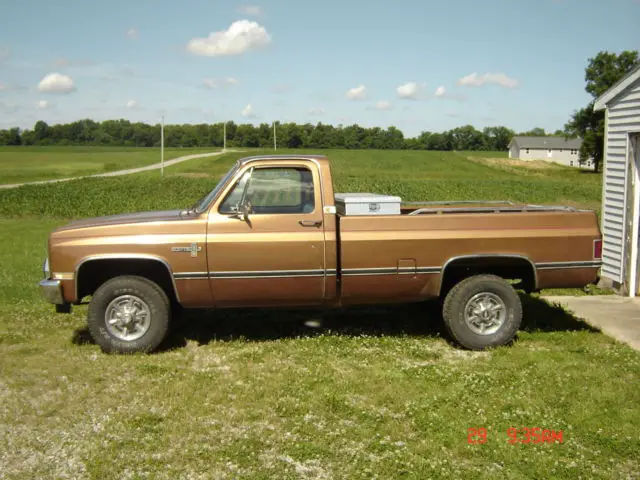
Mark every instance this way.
x=129 y=314
x=482 y=311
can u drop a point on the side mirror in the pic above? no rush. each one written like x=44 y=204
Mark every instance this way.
x=242 y=210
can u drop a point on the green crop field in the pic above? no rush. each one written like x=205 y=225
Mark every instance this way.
x=370 y=392
x=26 y=164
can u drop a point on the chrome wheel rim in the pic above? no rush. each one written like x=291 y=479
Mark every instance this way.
x=485 y=313
x=127 y=317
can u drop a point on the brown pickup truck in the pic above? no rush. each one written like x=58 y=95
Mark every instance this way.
x=272 y=233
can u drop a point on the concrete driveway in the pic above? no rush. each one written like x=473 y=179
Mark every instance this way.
x=614 y=315
x=128 y=171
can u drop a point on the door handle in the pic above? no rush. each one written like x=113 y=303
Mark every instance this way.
x=310 y=223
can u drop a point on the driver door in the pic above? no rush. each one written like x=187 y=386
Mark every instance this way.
x=275 y=254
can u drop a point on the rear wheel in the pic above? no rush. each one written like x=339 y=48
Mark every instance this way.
x=482 y=311
x=129 y=314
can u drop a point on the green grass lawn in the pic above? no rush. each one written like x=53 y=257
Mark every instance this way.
x=26 y=164
x=363 y=393
x=370 y=392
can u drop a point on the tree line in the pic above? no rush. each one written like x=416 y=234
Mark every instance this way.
x=289 y=135
x=602 y=72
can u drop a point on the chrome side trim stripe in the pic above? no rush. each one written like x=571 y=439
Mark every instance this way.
x=428 y=269
x=304 y=273
x=190 y=275
x=352 y=272
x=270 y=274
x=563 y=265
x=369 y=271
x=390 y=271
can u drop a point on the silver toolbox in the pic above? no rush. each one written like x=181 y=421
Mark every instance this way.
x=367 y=204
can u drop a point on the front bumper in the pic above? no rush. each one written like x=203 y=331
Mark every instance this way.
x=51 y=291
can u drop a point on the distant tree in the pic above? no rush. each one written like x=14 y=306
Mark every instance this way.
x=534 y=132
x=601 y=73
x=41 y=132
x=497 y=138
x=439 y=141
x=10 y=137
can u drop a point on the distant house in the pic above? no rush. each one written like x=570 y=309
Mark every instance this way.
x=551 y=149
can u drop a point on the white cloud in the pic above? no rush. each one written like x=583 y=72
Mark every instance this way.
x=56 y=83
x=43 y=105
x=441 y=91
x=383 y=105
x=357 y=93
x=316 y=111
x=219 y=82
x=411 y=90
x=475 y=80
x=132 y=104
x=132 y=34
x=242 y=36
x=248 y=112
x=252 y=10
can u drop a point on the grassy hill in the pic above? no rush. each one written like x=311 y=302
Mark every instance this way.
x=27 y=164
x=414 y=175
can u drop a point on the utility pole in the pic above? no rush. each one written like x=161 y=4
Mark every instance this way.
x=224 y=135
x=162 y=147
x=275 y=145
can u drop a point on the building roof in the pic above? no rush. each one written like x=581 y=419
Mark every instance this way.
x=546 y=142
x=629 y=79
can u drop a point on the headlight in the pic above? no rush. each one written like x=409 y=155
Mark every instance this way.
x=45 y=268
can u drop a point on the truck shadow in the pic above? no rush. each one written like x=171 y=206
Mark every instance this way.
x=415 y=319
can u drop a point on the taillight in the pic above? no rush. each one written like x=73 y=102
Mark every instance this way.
x=597 y=248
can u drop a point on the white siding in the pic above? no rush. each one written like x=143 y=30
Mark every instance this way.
x=623 y=117
x=564 y=156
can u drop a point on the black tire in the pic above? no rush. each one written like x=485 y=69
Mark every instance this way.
x=466 y=333
x=126 y=289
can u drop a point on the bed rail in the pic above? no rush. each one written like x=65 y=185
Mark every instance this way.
x=496 y=209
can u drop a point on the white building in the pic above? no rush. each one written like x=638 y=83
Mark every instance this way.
x=621 y=183
x=551 y=149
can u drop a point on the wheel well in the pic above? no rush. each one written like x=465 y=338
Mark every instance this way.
x=94 y=273
x=509 y=268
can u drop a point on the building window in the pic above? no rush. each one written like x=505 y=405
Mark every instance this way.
x=527 y=150
x=572 y=163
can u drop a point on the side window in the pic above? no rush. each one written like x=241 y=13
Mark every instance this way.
x=274 y=190
x=234 y=197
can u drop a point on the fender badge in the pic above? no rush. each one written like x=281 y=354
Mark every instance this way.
x=194 y=249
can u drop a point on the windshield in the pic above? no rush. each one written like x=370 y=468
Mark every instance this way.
x=202 y=204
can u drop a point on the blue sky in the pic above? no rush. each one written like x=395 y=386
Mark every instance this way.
x=416 y=64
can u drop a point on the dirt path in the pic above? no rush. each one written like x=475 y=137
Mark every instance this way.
x=128 y=171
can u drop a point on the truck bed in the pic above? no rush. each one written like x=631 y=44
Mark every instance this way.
x=387 y=256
